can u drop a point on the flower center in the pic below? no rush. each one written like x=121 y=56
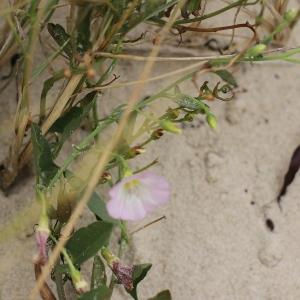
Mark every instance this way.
x=131 y=184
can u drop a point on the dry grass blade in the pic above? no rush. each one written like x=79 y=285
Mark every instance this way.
x=23 y=110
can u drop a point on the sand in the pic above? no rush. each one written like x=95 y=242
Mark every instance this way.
x=214 y=243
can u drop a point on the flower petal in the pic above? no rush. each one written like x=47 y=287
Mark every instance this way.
x=134 y=202
x=126 y=206
x=115 y=207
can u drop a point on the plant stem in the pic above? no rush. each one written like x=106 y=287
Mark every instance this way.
x=59 y=283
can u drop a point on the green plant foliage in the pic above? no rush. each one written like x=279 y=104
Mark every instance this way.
x=100 y=293
x=191 y=7
x=189 y=102
x=163 y=295
x=70 y=121
x=98 y=277
x=44 y=165
x=98 y=207
x=87 y=241
x=227 y=77
x=83 y=27
x=48 y=84
x=139 y=273
x=60 y=36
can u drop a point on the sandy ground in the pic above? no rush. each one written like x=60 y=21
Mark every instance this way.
x=214 y=243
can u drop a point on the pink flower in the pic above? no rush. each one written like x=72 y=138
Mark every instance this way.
x=137 y=195
x=42 y=235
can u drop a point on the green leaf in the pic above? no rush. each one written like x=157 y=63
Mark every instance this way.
x=139 y=273
x=227 y=77
x=98 y=207
x=191 y=7
x=48 y=84
x=44 y=165
x=98 y=277
x=163 y=295
x=99 y=293
x=63 y=269
x=71 y=120
x=83 y=27
x=190 y=102
x=60 y=36
x=87 y=241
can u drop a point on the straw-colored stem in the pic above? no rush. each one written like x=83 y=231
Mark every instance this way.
x=23 y=111
x=53 y=116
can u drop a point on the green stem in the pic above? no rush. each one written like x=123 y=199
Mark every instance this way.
x=282 y=56
x=146 y=167
x=95 y=115
x=146 y=142
x=59 y=283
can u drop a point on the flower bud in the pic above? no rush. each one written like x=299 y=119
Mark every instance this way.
x=189 y=117
x=157 y=134
x=172 y=113
x=81 y=286
x=42 y=234
x=79 y=283
x=123 y=273
x=134 y=151
x=106 y=176
x=211 y=120
x=170 y=126
x=256 y=50
x=138 y=150
x=290 y=15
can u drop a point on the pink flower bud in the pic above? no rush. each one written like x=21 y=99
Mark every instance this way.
x=124 y=275
x=42 y=235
